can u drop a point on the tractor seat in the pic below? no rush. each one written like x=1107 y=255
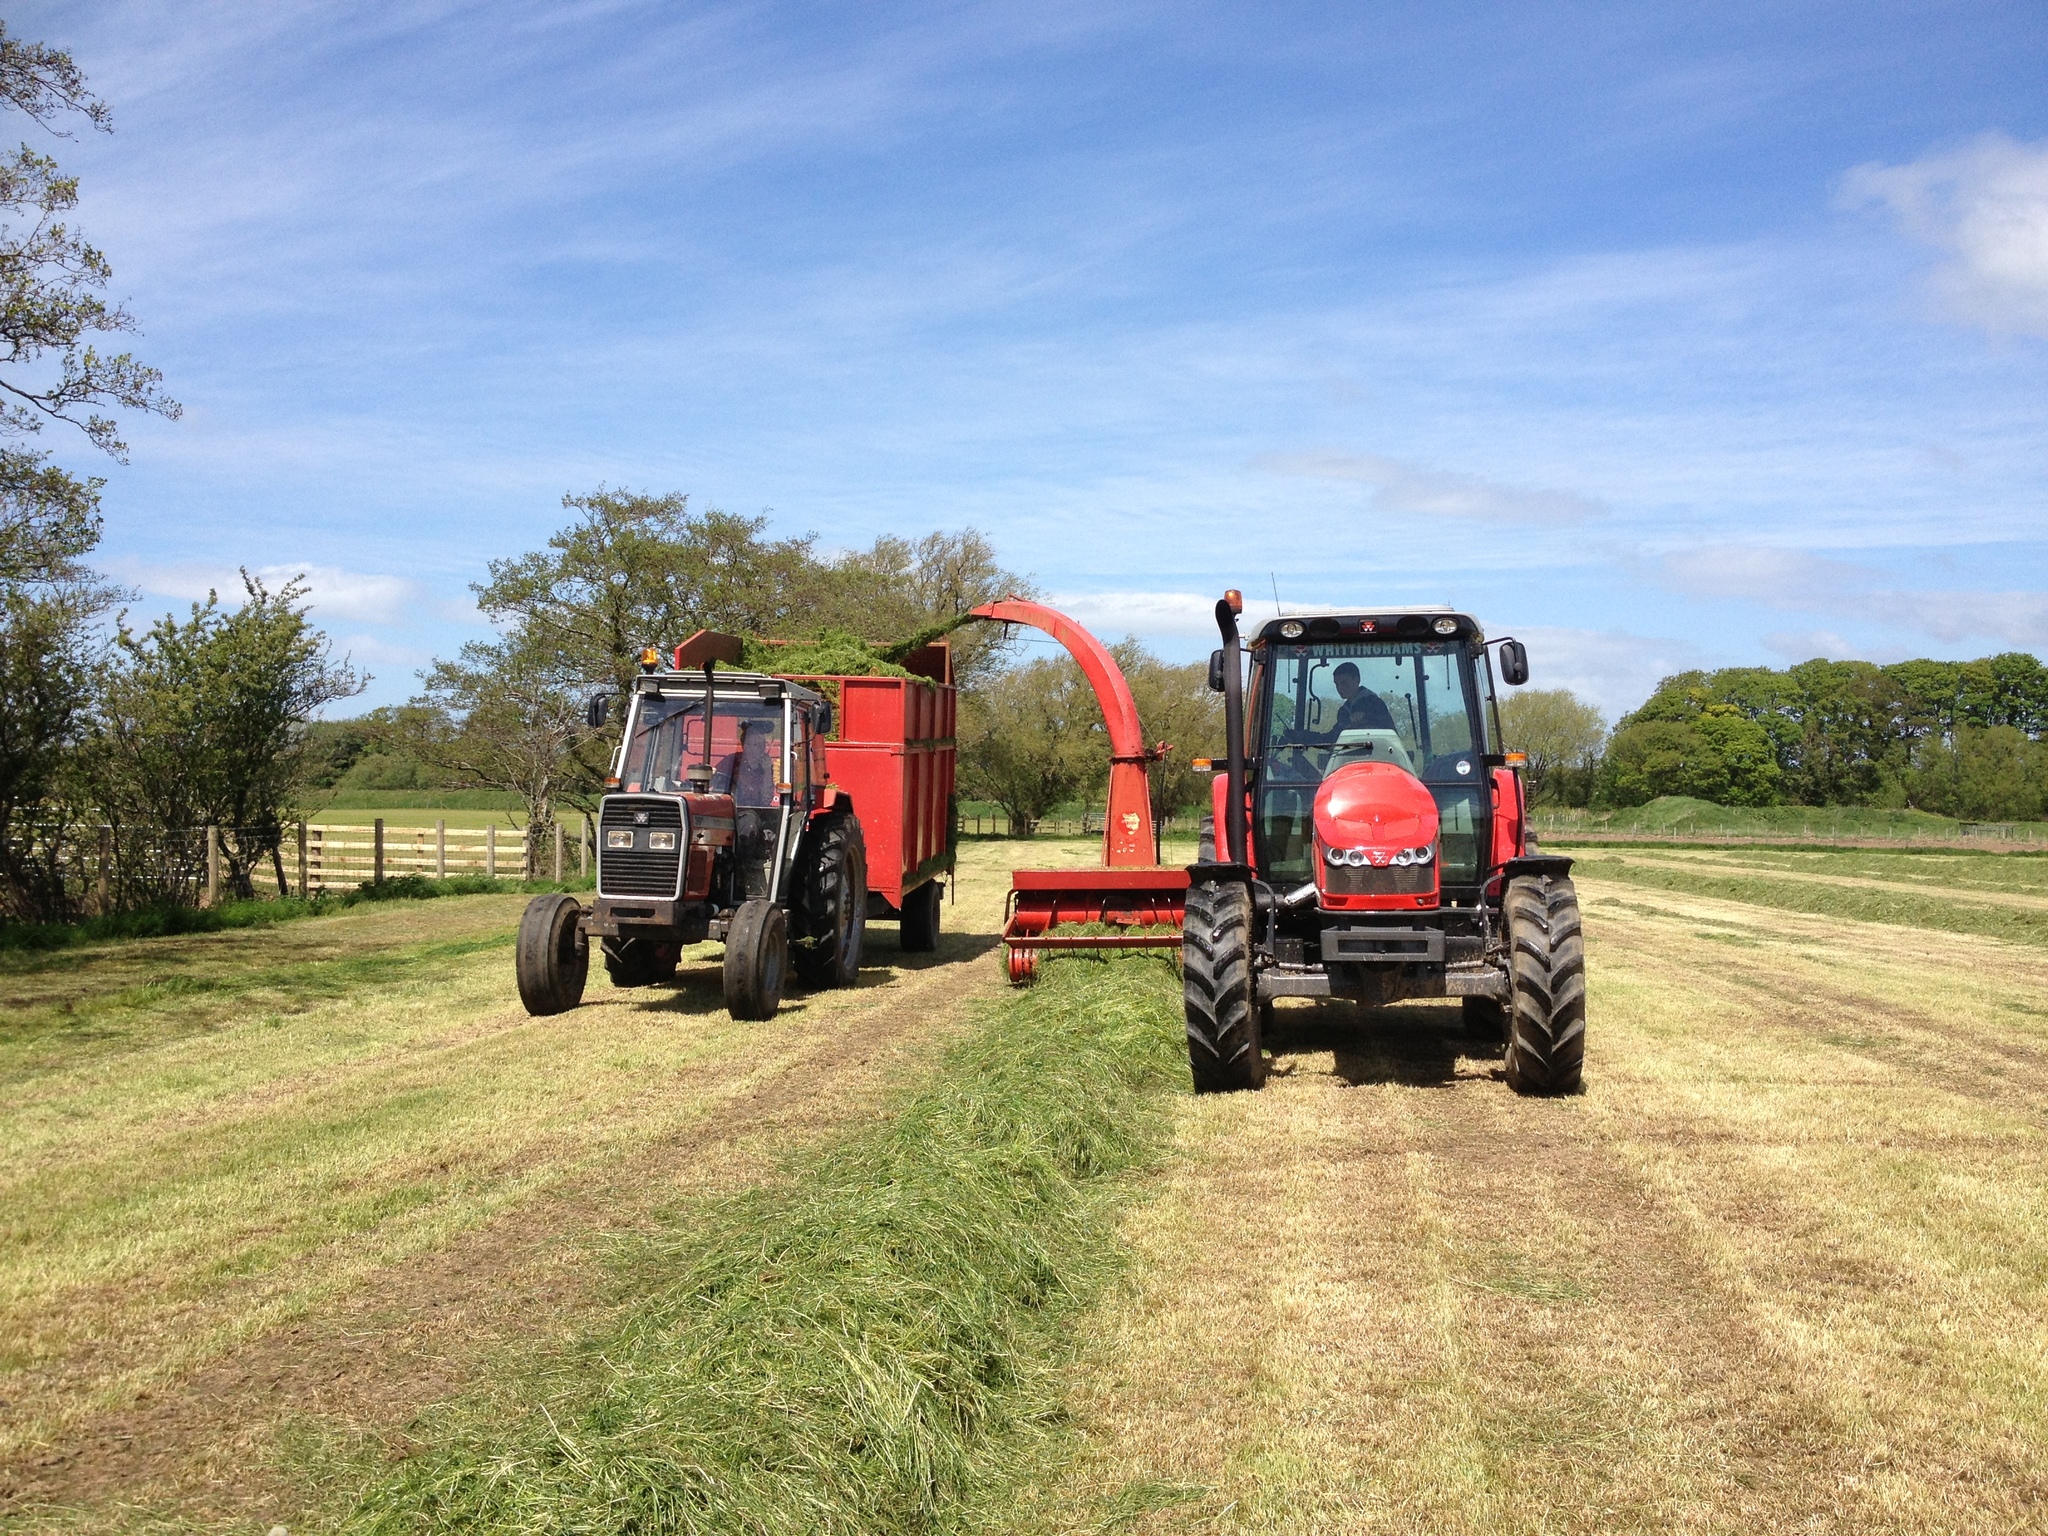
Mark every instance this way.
x=1368 y=746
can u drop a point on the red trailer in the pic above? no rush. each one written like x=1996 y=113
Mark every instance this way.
x=891 y=754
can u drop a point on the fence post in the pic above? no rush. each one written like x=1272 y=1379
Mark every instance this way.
x=441 y=849
x=305 y=889
x=377 y=853
x=491 y=851
x=558 y=851
x=212 y=865
x=104 y=887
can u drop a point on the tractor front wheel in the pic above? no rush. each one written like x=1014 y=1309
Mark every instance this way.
x=831 y=905
x=1225 y=1048
x=756 y=960
x=1547 y=1016
x=553 y=956
x=921 y=910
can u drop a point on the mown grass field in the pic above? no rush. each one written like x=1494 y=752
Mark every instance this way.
x=275 y=1195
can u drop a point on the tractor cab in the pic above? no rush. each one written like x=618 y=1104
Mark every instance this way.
x=1384 y=715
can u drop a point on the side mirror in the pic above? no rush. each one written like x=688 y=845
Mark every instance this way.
x=600 y=710
x=1215 y=671
x=1514 y=663
x=825 y=718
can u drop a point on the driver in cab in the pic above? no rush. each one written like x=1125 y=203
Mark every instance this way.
x=1361 y=709
x=748 y=775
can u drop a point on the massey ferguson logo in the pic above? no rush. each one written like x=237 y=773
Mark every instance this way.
x=1380 y=856
x=639 y=818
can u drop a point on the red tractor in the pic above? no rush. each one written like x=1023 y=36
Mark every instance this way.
x=732 y=817
x=1369 y=841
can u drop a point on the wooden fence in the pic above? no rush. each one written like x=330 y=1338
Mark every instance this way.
x=339 y=857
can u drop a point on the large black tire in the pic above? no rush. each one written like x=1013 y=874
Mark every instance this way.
x=640 y=962
x=831 y=904
x=756 y=960
x=920 y=926
x=1224 y=1037
x=553 y=955
x=1205 y=841
x=1547 y=1017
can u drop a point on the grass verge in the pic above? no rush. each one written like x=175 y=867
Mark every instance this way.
x=166 y=921
x=1947 y=914
x=868 y=1345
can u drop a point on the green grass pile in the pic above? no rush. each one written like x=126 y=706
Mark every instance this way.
x=869 y=1345
x=1943 y=913
x=836 y=653
x=1682 y=813
x=165 y=921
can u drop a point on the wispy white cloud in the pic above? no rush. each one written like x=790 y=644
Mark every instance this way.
x=333 y=594
x=1413 y=490
x=1798 y=581
x=1612 y=669
x=1986 y=205
x=1147 y=614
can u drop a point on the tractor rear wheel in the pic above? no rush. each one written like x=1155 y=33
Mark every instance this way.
x=756 y=960
x=921 y=909
x=640 y=962
x=831 y=906
x=1205 y=841
x=1223 y=1017
x=1547 y=1016
x=553 y=956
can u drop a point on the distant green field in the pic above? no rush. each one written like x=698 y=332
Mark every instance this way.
x=1681 y=814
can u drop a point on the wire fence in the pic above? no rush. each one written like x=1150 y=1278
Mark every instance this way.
x=1088 y=824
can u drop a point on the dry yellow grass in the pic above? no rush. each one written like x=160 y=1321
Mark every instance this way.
x=1781 y=1268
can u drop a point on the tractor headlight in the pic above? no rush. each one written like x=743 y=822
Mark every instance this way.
x=1334 y=855
x=1402 y=858
x=663 y=841
x=1423 y=854
x=1357 y=858
x=618 y=839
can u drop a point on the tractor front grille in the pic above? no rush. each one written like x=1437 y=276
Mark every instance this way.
x=1386 y=880
x=636 y=869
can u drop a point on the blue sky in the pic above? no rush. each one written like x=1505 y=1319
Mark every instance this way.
x=1658 y=335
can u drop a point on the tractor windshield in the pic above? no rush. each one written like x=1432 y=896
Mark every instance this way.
x=1322 y=705
x=746 y=748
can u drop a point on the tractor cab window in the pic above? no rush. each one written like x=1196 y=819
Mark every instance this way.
x=1412 y=704
x=746 y=748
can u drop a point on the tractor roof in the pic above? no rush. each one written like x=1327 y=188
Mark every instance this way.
x=1392 y=623
x=750 y=684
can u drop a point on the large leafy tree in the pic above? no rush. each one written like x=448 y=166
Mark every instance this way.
x=1031 y=739
x=1562 y=736
x=51 y=306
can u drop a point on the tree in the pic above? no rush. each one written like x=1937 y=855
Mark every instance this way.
x=202 y=723
x=1030 y=739
x=1174 y=706
x=50 y=604
x=1984 y=773
x=902 y=585
x=50 y=284
x=1719 y=755
x=514 y=721
x=1562 y=736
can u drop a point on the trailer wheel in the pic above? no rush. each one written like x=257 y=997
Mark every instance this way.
x=1224 y=1044
x=1547 y=1018
x=640 y=962
x=831 y=905
x=553 y=955
x=756 y=959
x=921 y=909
